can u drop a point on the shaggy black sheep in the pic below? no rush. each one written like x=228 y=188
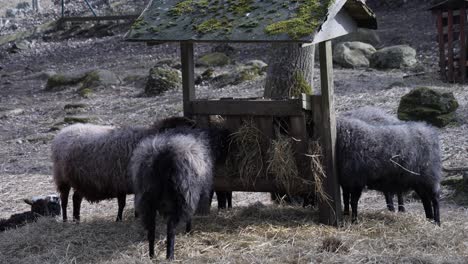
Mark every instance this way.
x=374 y=116
x=170 y=172
x=40 y=206
x=390 y=158
x=94 y=161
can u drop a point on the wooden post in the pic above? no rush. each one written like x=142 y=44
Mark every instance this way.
x=440 y=32
x=330 y=213
x=462 y=44
x=188 y=82
x=451 y=76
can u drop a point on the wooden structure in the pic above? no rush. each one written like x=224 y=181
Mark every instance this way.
x=94 y=17
x=451 y=37
x=303 y=23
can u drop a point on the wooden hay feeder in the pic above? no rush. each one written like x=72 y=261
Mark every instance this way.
x=305 y=22
x=451 y=37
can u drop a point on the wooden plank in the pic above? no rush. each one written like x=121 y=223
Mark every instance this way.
x=188 y=81
x=462 y=45
x=292 y=107
x=451 y=77
x=442 y=66
x=329 y=212
x=97 y=18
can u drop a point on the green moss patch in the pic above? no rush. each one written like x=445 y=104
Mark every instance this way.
x=58 y=81
x=305 y=22
x=300 y=85
x=213 y=24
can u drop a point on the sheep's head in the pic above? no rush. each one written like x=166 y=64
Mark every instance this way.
x=44 y=205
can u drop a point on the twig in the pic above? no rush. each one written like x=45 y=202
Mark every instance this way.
x=396 y=163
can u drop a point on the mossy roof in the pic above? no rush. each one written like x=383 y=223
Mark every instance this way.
x=242 y=20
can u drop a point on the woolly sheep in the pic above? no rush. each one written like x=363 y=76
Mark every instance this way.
x=390 y=158
x=170 y=172
x=94 y=161
x=40 y=206
x=375 y=116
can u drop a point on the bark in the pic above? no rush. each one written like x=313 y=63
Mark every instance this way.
x=290 y=71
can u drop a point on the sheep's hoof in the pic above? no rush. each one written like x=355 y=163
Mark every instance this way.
x=345 y=212
x=401 y=209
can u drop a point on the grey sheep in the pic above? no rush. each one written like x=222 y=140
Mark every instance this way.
x=390 y=158
x=171 y=171
x=40 y=206
x=375 y=116
x=94 y=161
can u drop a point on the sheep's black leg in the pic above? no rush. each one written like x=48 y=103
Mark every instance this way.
x=77 y=198
x=121 y=201
x=355 y=195
x=229 y=199
x=427 y=207
x=64 y=192
x=149 y=219
x=389 y=201
x=171 y=226
x=401 y=203
x=346 y=196
x=435 y=205
x=188 y=226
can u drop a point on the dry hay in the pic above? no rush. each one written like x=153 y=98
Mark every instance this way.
x=253 y=234
x=282 y=164
x=245 y=156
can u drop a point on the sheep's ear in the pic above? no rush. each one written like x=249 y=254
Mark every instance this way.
x=28 y=201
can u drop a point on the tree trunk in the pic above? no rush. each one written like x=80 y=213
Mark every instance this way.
x=290 y=71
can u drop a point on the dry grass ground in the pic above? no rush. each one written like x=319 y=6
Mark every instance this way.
x=253 y=232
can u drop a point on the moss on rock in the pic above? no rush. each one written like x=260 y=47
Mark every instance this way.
x=58 y=82
x=214 y=59
x=161 y=79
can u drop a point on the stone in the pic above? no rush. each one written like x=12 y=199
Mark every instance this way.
x=224 y=48
x=364 y=35
x=161 y=79
x=394 y=57
x=95 y=79
x=214 y=59
x=19 y=46
x=11 y=12
x=353 y=54
x=6 y=113
x=58 y=82
x=259 y=64
x=78 y=119
x=425 y=104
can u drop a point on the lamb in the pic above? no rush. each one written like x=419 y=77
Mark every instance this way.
x=390 y=158
x=170 y=172
x=40 y=206
x=375 y=116
x=94 y=161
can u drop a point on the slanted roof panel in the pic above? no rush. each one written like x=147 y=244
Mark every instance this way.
x=233 y=20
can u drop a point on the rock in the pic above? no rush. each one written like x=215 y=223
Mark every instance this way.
x=224 y=48
x=58 y=82
x=78 y=119
x=173 y=63
x=11 y=12
x=207 y=75
x=394 y=57
x=136 y=80
x=23 y=5
x=368 y=36
x=74 y=108
x=95 y=79
x=161 y=79
x=424 y=104
x=214 y=59
x=453 y=181
x=6 y=113
x=20 y=45
x=262 y=66
x=353 y=54
x=44 y=75
x=241 y=74
x=225 y=79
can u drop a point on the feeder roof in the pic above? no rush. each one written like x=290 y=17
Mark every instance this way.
x=306 y=21
x=448 y=4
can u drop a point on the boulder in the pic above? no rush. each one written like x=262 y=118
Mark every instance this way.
x=424 y=104
x=364 y=35
x=95 y=79
x=214 y=59
x=353 y=54
x=58 y=82
x=261 y=65
x=161 y=79
x=394 y=57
